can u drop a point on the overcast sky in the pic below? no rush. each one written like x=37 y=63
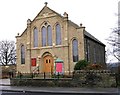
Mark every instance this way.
x=98 y=16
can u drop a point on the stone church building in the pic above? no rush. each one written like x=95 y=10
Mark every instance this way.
x=53 y=43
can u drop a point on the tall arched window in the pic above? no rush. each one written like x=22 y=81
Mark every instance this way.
x=75 y=50
x=44 y=37
x=49 y=35
x=22 y=54
x=58 y=34
x=94 y=54
x=88 y=52
x=35 y=37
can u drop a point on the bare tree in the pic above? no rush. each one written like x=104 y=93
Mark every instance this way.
x=7 y=52
x=114 y=38
x=114 y=41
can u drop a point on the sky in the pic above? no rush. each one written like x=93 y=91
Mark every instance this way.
x=98 y=16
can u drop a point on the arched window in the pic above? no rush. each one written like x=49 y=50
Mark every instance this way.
x=22 y=54
x=87 y=44
x=44 y=33
x=88 y=52
x=75 y=50
x=35 y=37
x=94 y=54
x=49 y=35
x=58 y=34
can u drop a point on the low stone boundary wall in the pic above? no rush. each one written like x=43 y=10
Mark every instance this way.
x=42 y=82
x=95 y=78
x=81 y=78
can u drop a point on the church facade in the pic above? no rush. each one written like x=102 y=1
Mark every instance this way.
x=53 y=43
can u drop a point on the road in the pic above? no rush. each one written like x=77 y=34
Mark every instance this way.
x=48 y=93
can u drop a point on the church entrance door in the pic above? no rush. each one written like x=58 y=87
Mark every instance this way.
x=48 y=64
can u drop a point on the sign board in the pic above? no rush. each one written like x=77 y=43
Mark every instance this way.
x=59 y=67
x=33 y=61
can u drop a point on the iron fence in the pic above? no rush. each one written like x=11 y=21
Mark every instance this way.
x=42 y=75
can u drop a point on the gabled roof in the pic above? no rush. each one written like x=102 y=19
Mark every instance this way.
x=22 y=33
x=73 y=24
x=42 y=11
x=85 y=32
x=92 y=37
x=48 y=10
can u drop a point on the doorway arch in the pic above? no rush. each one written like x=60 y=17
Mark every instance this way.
x=48 y=63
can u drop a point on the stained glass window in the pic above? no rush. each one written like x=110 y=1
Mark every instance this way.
x=35 y=37
x=22 y=54
x=75 y=50
x=49 y=35
x=58 y=34
x=44 y=33
x=94 y=54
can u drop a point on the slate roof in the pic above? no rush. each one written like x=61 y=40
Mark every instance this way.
x=85 y=32
x=73 y=24
x=92 y=37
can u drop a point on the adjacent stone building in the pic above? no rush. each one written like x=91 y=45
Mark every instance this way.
x=53 y=43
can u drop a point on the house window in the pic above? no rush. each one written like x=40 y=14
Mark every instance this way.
x=35 y=36
x=58 y=34
x=44 y=33
x=49 y=35
x=22 y=54
x=75 y=50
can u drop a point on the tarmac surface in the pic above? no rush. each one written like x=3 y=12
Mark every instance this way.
x=5 y=86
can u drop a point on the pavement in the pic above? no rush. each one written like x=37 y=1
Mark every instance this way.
x=5 y=86
x=5 y=82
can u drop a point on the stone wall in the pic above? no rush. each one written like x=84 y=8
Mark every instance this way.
x=95 y=78
x=42 y=82
x=81 y=78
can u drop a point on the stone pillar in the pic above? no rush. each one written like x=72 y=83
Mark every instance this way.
x=81 y=43
x=66 y=42
x=28 y=52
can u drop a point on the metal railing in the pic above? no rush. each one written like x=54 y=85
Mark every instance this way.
x=43 y=75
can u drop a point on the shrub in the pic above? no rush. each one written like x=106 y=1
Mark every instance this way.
x=80 y=65
x=94 y=67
